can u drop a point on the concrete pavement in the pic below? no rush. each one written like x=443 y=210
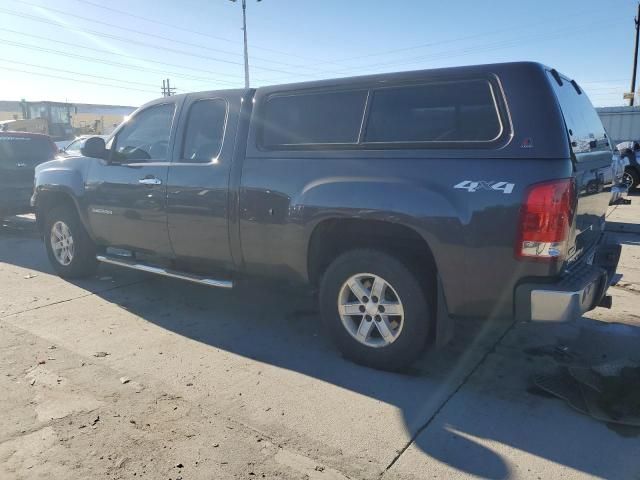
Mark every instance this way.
x=243 y=384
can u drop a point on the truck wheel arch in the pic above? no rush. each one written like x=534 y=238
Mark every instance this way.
x=51 y=198
x=334 y=236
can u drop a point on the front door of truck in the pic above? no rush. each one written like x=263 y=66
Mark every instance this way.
x=126 y=194
x=198 y=183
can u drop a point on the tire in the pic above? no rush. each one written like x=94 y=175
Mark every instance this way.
x=393 y=353
x=632 y=178
x=81 y=261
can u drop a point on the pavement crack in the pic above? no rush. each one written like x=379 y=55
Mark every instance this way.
x=66 y=300
x=448 y=398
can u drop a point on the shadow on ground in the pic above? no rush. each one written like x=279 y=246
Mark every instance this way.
x=282 y=328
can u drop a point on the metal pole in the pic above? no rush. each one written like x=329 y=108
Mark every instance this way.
x=246 y=51
x=635 y=59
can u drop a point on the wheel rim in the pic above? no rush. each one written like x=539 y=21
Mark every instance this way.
x=371 y=310
x=62 y=243
x=627 y=180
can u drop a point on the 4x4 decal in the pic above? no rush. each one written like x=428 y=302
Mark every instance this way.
x=474 y=186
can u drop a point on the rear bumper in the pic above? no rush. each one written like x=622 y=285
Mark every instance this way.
x=580 y=290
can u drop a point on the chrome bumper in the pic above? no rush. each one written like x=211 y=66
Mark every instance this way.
x=579 y=291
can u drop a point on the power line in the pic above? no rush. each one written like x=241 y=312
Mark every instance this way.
x=144 y=44
x=76 y=73
x=151 y=35
x=519 y=27
x=96 y=60
x=486 y=47
x=77 y=80
x=133 y=57
x=470 y=50
x=196 y=32
x=605 y=81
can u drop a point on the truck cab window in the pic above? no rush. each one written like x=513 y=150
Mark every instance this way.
x=320 y=118
x=145 y=137
x=205 y=131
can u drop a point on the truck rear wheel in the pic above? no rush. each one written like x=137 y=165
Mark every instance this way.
x=71 y=252
x=375 y=309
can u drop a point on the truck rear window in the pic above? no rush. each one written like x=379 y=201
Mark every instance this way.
x=584 y=128
x=463 y=111
x=25 y=149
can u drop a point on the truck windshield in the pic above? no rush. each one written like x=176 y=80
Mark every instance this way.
x=38 y=111
x=59 y=114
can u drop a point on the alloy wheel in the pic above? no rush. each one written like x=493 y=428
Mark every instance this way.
x=62 y=243
x=371 y=310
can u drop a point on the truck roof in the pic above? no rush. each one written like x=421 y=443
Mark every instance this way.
x=497 y=68
x=532 y=110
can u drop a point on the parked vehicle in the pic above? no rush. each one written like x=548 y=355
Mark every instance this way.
x=47 y=118
x=74 y=148
x=623 y=127
x=19 y=154
x=407 y=199
x=629 y=152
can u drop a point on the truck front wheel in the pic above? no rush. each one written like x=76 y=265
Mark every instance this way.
x=71 y=252
x=375 y=309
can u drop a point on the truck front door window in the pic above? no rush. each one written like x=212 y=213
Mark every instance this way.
x=145 y=137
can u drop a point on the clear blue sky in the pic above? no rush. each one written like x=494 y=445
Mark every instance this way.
x=48 y=47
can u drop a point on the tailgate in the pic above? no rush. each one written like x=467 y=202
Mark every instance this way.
x=592 y=158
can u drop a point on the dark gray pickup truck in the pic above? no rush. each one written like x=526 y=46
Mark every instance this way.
x=407 y=199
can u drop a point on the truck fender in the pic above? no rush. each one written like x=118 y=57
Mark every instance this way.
x=428 y=209
x=66 y=181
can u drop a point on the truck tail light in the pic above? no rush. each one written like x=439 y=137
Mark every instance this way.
x=545 y=220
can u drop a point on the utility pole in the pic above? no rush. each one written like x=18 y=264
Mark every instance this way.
x=246 y=50
x=635 y=59
x=167 y=89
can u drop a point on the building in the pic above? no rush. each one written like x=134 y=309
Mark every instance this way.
x=85 y=117
x=621 y=123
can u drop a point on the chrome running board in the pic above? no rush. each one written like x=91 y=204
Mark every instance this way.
x=190 y=277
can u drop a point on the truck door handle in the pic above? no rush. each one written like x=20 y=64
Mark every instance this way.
x=150 y=181
x=21 y=165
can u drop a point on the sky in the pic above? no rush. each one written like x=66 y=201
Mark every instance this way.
x=119 y=51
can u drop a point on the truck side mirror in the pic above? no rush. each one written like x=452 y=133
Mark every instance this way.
x=94 y=147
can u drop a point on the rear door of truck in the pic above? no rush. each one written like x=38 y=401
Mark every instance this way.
x=198 y=183
x=592 y=158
